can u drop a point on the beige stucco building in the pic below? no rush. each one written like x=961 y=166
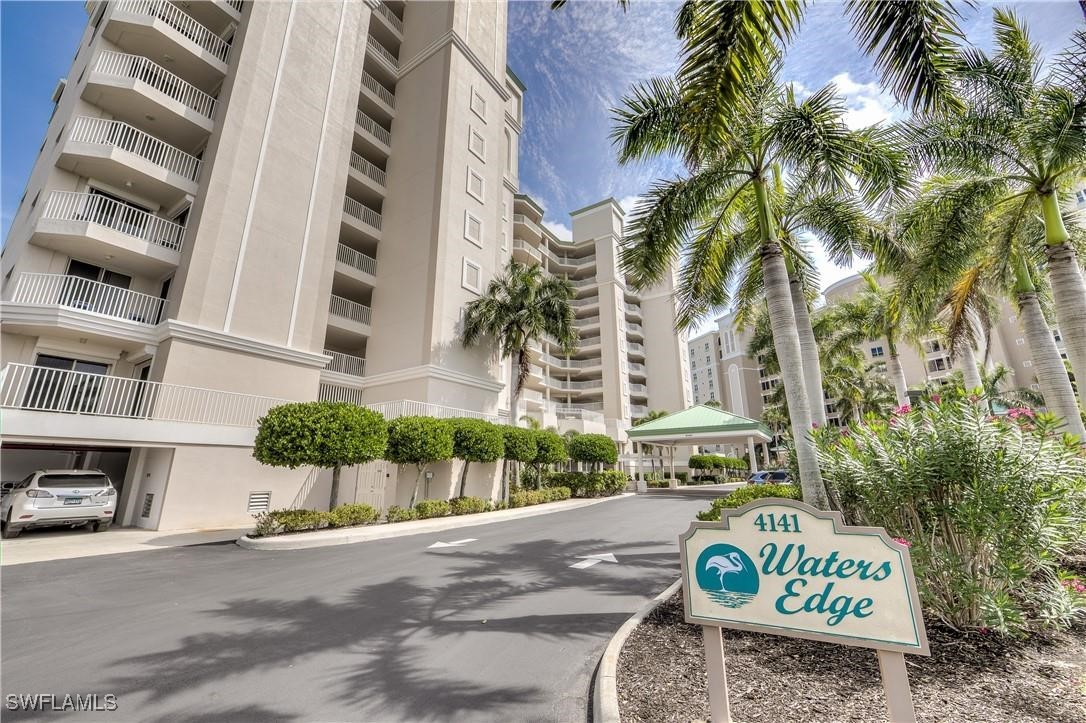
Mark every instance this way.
x=630 y=359
x=241 y=203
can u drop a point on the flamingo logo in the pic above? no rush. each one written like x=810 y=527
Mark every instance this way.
x=727 y=575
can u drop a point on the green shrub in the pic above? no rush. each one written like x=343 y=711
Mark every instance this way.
x=743 y=495
x=594 y=449
x=591 y=484
x=425 y=509
x=419 y=441
x=524 y=498
x=300 y=520
x=519 y=443
x=469 y=505
x=348 y=515
x=400 y=514
x=683 y=477
x=556 y=494
x=716 y=461
x=658 y=483
x=989 y=505
x=475 y=440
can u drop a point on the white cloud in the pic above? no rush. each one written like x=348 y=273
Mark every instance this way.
x=867 y=103
x=562 y=231
x=628 y=203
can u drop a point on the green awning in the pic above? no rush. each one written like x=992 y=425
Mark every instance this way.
x=699 y=425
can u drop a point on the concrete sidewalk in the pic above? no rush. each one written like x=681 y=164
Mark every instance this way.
x=65 y=544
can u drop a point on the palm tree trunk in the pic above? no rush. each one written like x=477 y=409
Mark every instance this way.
x=808 y=347
x=970 y=368
x=1051 y=374
x=897 y=376
x=514 y=388
x=334 y=494
x=1069 y=293
x=782 y=321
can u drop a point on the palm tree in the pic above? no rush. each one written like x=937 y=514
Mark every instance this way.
x=648 y=448
x=914 y=44
x=701 y=217
x=520 y=307
x=1021 y=140
x=858 y=390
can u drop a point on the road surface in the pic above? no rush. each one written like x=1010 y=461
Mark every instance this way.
x=501 y=628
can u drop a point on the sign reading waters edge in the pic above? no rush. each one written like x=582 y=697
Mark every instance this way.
x=785 y=568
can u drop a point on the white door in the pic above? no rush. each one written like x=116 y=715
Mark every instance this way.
x=370 y=484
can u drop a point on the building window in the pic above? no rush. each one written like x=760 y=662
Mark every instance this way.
x=1056 y=335
x=477 y=144
x=472 y=277
x=478 y=104
x=877 y=351
x=473 y=228
x=476 y=184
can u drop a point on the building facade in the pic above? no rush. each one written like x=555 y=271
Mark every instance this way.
x=630 y=359
x=238 y=204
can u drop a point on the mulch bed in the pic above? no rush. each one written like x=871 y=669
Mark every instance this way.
x=661 y=677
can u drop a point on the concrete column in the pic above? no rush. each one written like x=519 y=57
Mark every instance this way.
x=751 y=455
x=641 y=485
x=765 y=452
x=674 y=480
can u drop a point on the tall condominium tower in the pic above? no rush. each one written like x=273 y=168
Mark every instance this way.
x=241 y=203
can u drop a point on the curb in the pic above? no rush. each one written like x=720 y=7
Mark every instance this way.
x=605 y=690
x=351 y=535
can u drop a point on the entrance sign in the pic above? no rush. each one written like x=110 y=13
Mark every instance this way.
x=785 y=568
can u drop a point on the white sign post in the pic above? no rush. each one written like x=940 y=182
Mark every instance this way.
x=785 y=568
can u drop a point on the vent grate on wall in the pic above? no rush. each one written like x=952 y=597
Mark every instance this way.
x=148 y=500
x=259 y=501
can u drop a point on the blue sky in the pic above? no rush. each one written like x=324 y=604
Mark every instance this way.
x=577 y=63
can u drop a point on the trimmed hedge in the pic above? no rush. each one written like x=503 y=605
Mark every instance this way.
x=716 y=461
x=350 y=515
x=593 y=449
x=469 y=505
x=277 y=522
x=400 y=514
x=426 y=509
x=526 y=498
x=743 y=495
x=590 y=484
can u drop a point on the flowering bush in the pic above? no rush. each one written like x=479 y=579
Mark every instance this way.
x=990 y=507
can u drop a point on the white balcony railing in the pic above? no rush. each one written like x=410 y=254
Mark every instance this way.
x=633 y=309
x=364 y=121
x=637 y=349
x=361 y=211
x=527 y=248
x=346 y=363
x=140 y=68
x=387 y=14
x=409 y=408
x=575 y=386
x=589 y=341
x=638 y=410
x=525 y=221
x=382 y=52
x=59 y=390
x=86 y=295
x=104 y=211
x=349 y=309
x=356 y=259
x=581 y=283
x=639 y=389
x=375 y=87
x=180 y=21
x=637 y=368
x=635 y=329
x=589 y=320
x=118 y=134
x=236 y=4
x=366 y=168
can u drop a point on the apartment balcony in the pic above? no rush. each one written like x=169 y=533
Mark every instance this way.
x=386 y=60
x=61 y=404
x=589 y=385
x=374 y=136
x=583 y=283
x=525 y=252
x=586 y=412
x=588 y=323
x=354 y=366
x=218 y=15
x=355 y=268
x=163 y=32
x=635 y=349
x=339 y=393
x=348 y=318
x=361 y=221
x=388 y=19
x=632 y=310
x=365 y=180
x=61 y=305
x=570 y=262
x=528 y=227
x=637 y=370
x=377 y=97
x=124 y=156
x=635 y=330
x=639 y=390
x=98 y=229
x=589 y=342
x=134 y=89
x=532 y=399
x=638 y=410
x=587 y=303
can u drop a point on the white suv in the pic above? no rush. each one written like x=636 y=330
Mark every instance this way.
x=57 y=497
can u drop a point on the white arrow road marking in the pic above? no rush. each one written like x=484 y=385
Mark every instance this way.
x=590 y=560
x=456 y=543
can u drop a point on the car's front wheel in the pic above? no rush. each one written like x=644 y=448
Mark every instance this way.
x=100 y=526
x=8 y=532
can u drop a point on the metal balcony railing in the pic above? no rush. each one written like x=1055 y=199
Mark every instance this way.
x=410 y=408
x=387 y=14
x=346 y=363
x=525 y=221
x=180 y=21
x=635 y=329
x=382 y=52
x=638 y=410
x=639 y=389
x=366 y=168
x=140 y=68
x=361 y=211
x=86 y=295
x=633 y=309
x=59 y=390
x=531 y=250
x=349 y=309
x=236 y=4
x=356 y=259
x=118 y=134
x=636 y=349
x=364 y=121
x=104 y=211
x=637 y=368
x=375 y=87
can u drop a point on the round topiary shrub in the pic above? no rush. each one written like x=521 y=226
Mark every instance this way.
x=594 y=449
x=419 y=441
x=476 y=440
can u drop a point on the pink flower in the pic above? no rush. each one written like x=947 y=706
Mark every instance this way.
x=936 y=398
x=903 y=541
x=1021 y=412
x=903 y=409
x=814 y=425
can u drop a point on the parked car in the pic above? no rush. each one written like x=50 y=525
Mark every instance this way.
x=56 y=498
x=776 y=477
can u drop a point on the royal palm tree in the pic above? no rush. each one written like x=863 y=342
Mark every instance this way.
x=521 y=307
x=858 y=390
x=1019 y=143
